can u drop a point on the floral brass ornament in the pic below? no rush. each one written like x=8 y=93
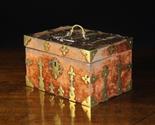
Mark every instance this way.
x=89 y=55
x=105 y=74
x=119 y=81
x=41 y=79
x=112 y=49
x=55 y=68
x=46 y=46
x=86 y=79
x=71 y=74
x=27 y=40
x=64 y=49
x=51 y=87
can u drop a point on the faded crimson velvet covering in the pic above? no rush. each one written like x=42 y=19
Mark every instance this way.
x=72 y=73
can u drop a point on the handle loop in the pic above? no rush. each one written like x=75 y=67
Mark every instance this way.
x=82 y=30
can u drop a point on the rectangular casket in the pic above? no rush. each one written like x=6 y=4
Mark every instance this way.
x=82 y=65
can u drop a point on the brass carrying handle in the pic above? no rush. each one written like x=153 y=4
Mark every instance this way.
x=82 y=30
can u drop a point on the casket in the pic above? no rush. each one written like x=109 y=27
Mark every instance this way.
x=82 y=65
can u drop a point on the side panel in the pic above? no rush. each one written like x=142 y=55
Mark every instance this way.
x=58 y=75
x=113 y=76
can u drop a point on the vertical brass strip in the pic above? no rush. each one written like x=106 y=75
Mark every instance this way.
x=105 y=74
x=119 y=81
x=41 y=79
x=71 y=74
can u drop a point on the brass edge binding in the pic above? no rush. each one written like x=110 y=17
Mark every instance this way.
x=27 y=40
x=41 y=79
x=89 y=55
x=64 y=50
x=119 y=81
x=46 y=46
x=105 y=74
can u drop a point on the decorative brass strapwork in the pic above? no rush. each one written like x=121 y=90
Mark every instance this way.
x=82 y=31
x=55 y=68
x=119 y=81
x=71 y=74
x=41 y=79
x=105 y=74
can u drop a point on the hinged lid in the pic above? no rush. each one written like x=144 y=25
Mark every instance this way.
x=89 y=43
